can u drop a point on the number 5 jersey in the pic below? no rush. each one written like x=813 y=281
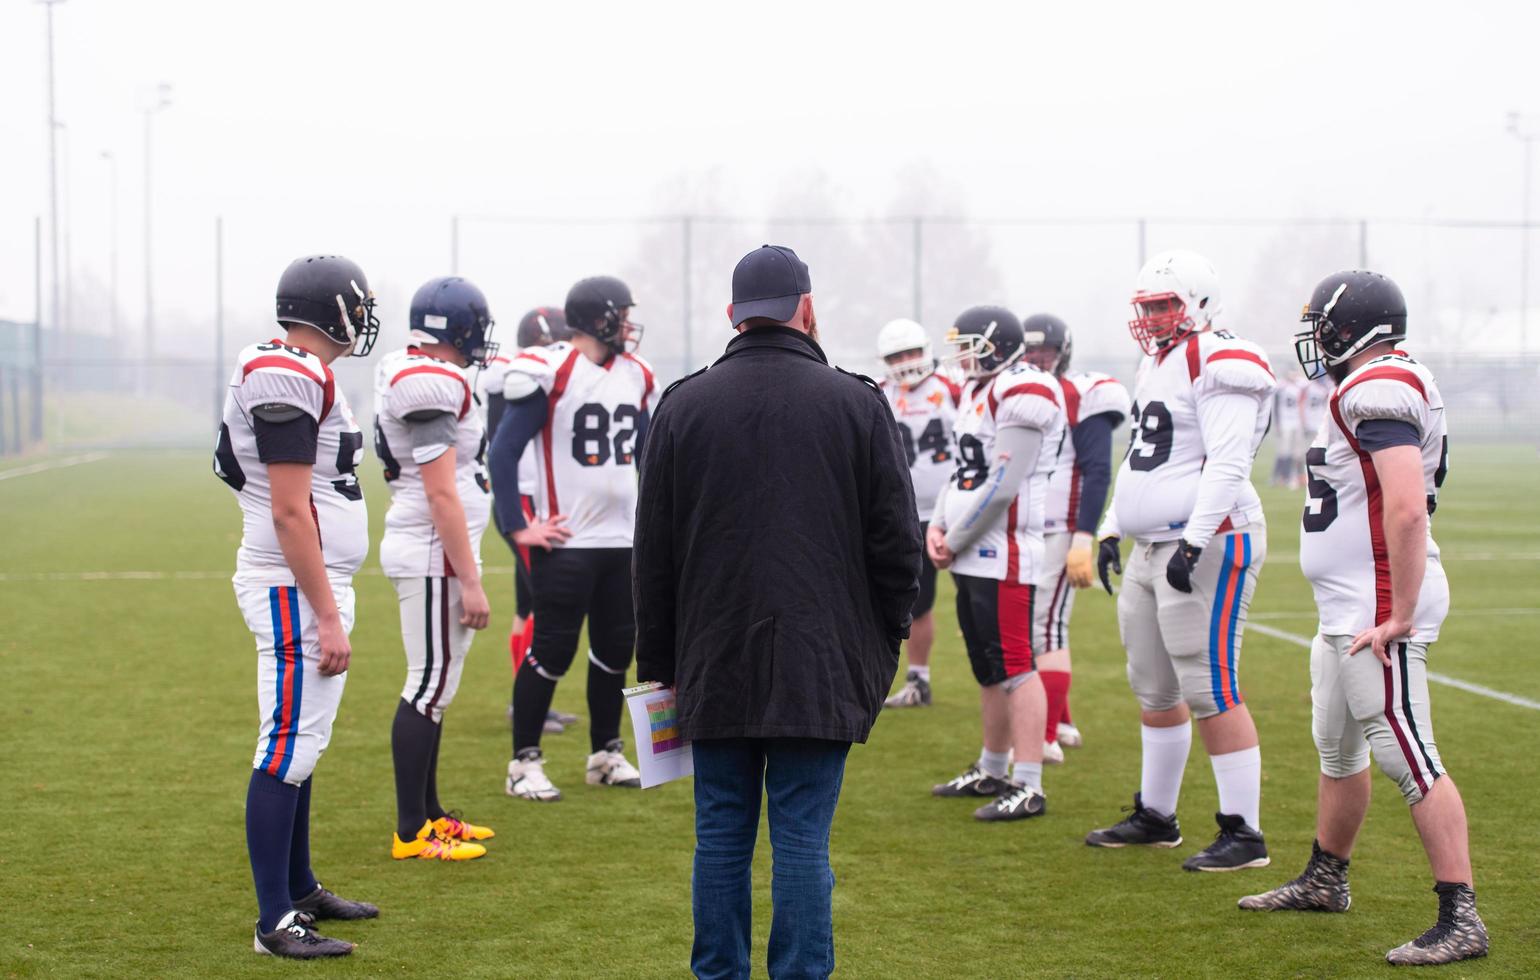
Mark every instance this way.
x=1342 y=549
x=276 y=377
x=585 y=454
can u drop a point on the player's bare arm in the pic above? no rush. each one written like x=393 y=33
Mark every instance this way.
x=438 y=481
x=297 y=537
x=1399 y=469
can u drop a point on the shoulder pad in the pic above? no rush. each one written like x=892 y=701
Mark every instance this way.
x=681 y=381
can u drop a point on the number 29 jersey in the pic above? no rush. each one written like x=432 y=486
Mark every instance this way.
x=279 y=375
x=585 y=455
x=1021 y=395
x=925 y=413
x=1342 y=547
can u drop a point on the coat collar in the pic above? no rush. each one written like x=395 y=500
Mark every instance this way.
x=778 y=338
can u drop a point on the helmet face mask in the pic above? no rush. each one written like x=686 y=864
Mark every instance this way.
x=909 y=367
x=1160 y=320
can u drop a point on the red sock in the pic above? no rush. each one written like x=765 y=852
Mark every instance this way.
x=518 y=645
x=1056 y=686
x=1064 y=717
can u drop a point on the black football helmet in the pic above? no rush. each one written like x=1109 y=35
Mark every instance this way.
x=543 y=326
x=453 y=311
x=985 y=340
x=1348 y=312
x=330 y=293
x=597 y=306
x=1047 y=342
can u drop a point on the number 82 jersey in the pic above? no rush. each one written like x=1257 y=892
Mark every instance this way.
x=283 y=377
x=585 y=454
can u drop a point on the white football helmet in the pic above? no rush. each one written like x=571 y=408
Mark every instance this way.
x=1176 y=293
x=899 y=337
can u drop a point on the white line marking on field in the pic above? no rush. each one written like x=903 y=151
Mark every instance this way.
x=1311 y=614
x=1444 y=679
x=1446 y=557
x=131 y=576
x=52 y=464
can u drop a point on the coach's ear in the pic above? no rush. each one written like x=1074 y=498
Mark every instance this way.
x=729 y=314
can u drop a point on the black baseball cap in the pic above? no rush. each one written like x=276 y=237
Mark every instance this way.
x=769 y=282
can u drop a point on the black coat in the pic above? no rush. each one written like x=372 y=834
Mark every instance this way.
x=778 y=550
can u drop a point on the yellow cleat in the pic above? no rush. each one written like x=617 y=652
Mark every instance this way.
x=429 y=846
x=451 y=827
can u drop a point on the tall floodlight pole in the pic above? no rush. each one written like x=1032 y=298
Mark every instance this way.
x=112 y=242
x=161 y=100
x=53 y=171
x=1527 y=137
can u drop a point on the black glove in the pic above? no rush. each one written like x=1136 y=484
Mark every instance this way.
x=1179 y=569
x=1108 y=556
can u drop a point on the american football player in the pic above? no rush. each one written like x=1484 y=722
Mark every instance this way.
x=988 y=529
x=584 y=405
x=289 y=448
x=430 y=438
x=1202 y=397
x=1366 y=545
x=1289 y=433
x=924 y=403
x=1094 y=406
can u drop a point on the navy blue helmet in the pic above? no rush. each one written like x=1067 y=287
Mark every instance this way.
x=985 y=340
x=542 y=327
x=330 y=293
x=1348 y=312
x=1048 y=343
x=453 y=311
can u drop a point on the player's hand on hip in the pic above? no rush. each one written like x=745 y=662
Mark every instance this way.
x=1381 y=637
x=1179 y=569
x=475 y=610
x=545 y=534
x=1109 y=557
x=1078 y=564
x=936 y=548
x=336 y=652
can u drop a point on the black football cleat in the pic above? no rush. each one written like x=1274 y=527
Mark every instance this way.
x=1236 y=846
x=1321 y=887
x=973 y=782
x=1017 y=803
x=295 y=940
x=322 y=904
x=1459 y=933
x=1142 y=827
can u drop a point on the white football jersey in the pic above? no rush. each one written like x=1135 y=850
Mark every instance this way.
x=1342 y=548
x=275 y=373
x=1288 y=406
x=1085 y=394
x=405 y=382
x=585 y=456
x=1157 y=484
x=926 y=412
x=1020 y=395
x=492 y=377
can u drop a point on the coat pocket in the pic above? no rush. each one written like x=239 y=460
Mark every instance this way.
x=759 y=648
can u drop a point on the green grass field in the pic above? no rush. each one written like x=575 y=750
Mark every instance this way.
x=129 y=723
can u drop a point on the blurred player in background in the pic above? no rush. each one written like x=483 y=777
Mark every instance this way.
x=430 y=438
x=988 y=529
x=289 y=448
x=1367 y=548
x=1094 y=406
x=925 y=406
x=584 y=404
x=1201 y=403
x=540 y=327
x=1289 y=432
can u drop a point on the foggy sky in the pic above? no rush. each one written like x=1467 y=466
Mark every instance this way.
x=361 y=127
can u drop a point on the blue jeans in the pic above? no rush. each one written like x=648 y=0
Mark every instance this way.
x=802 y=778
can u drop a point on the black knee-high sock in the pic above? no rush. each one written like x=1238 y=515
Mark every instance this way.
x=411 y=746
x=532 y=693
x=301 y=879
x=430 y=795
x=605 y=703
x=270 y=804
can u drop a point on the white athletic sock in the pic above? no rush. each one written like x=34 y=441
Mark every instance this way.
x=1165 y=758
x=922 y=672
x=994 y=763
x=1239 y=775
x=1028 y=774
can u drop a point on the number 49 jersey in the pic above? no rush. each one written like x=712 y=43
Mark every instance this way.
x=926 y=412
x=1342 y=549
x=274 y=374
x=408 y=382
x=1021 y=395
x=585 y=456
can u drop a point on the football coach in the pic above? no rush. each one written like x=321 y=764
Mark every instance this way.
x=776 y=561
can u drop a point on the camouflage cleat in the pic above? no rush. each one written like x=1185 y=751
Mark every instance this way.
x=1322 y=886
x=1459 y=933
x=973 y=782
x=914 y=694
